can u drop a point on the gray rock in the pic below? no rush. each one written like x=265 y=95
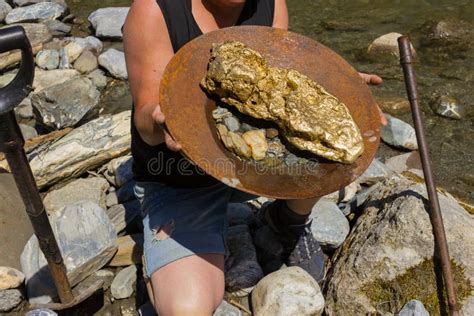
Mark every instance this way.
x=9 y=299
x=10 y=278
x=376 y=172
x=87 y=240
x=350 y=191
x=88 y=43
x=123 y=283
x=57 y=28
x=114 y=61
x=48 y=59
x=386 y=46
x=98 y=78
x=5 y=8
x=226 y=309
x=35 y=12
x=242 y=269
x=108 y=22
x=28 y=131
x=119 y=171
x=220 y=113
x=86 y=63
x=122 y=215
x=64 y=62
x=413 y=308
x=5 y=79
x=329 y=226
x=448 y=107
x=289 y=291
x=406 y=162
x=41 y=312
x=240 y=214
x=25 y=110
x=22 y=3
x=103 y=275
x=232 y=123
x=65 y=104
x=399 y=134
x=89 y=189
x=358 y=200
x=85 y=148
x=393 y=235
x=44 y=79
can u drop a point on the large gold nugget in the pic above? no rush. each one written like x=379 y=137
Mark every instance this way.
x=310 y=118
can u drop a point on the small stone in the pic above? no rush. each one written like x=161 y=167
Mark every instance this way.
x=387 y=45
x=57 y=28
x=25 y=110
x=222 y=130
x=232 y=123
x=122 y=215
x=28 y=132
x=289 y=291
x=350 y=191
x=130 y=251
x=394 y=105
x=104 y=275
x=98 y=78
x=64 y=62
x=10 y=278
x=291 y=159
x=239 y=145
x=9 y=299
x=86 y=63
x=5 y=8
x=108 y=22
x=413 y=308
x=88 y=43
x=73 y=51
x=114 y=61
x=36 y=12
x=220 y=113
x=399 y=134
x=448 y=107
x=244 y=127
x=41 y=312
x=271 y=132
x=276 y=148
x=376 y=172
x=123 y=283
x=226 y=309
x=111 y=199
x=48 y=59
x=44 y=79
x=257 y=142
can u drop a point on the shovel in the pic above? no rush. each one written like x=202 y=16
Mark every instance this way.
x=11 y=143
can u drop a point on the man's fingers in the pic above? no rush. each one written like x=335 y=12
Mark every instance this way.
x=171 y=143
x=370 y=78
x=157 y=115
x=383 y=119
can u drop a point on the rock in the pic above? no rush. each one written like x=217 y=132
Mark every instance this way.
x=36 y=12
x=232 y=123
x=329 y=226
x=105 y=276
x=271 y=132
x=123 y=284
x=108 y=22
x=288 y=292
x=394 y=105
x=116 y=97
x=9 y=299
x=387 y=258
x=257 y=142
x=376 y=172
x=130 y=251
x=22 y=3
x=84 y=148
x=387 y=46
x=122 y=215
x=98 y=78
x=399 y=134
x=114 y=61
x=25 y=110
x=27 y=131
x=448 y=107
x=65 y=104
x=350 y=191
x=275 y=148
x=354 y=204
x=86 y=63
x=44 y=79
x=89 y=189
x=88 y=43
x=7 y=78
x=240 y=214
x=73 y=51
x=111 y=199
x=64 y=62
x=242 y=269
x=87 y=240
x=57 y=28
x=15 y=226
x=237 y=144
x=226 y=309
x=47 y=59
x=10 y=278
x=406 y=162
x=413 y=308
x=221 y=113
x=119 y=171
x=41 y=312
x=5 y=8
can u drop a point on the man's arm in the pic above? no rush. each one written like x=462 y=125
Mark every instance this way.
x=148 y=50
x=280 y=16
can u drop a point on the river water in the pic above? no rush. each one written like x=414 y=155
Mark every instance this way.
x=445 y=65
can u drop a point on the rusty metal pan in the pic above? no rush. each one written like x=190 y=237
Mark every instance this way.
x=188 y=112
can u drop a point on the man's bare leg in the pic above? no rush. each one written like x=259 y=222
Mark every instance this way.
x=302 y=207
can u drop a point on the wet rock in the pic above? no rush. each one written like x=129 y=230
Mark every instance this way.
x=406 y=162
x=9 y=299
x=130 y=251
x=329 y=226
x=399 y=134
x=86 y=63
x=242 y=269
x=57 y=28
x=108 y=22
x=114 y=61
x=10 y=278
x=5 y=8
x=376 y=172
x=27 y=131
x=226 y=309
x=123 y=283
x=84 y=148
x=41 y=312
x=391 y=250
x=47 y=59
x=119 y=171
x=87 y=240
x=232 y=123
x=257 y=142
x=35 y=12
x=25 y=110
x=98 y=78
x=413 y=308
x=240 y=214
x=44 y=79
x=88 y=43
x=386 y=46
x=89 y=189
x=290 y=291
x=65 y=104
x=394 y=105
x=448 y=107
x=122 y=215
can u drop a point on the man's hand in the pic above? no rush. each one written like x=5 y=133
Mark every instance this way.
x=374 y=80
x=159 y=119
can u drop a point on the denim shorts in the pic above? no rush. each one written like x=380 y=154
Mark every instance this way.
x=195 y=220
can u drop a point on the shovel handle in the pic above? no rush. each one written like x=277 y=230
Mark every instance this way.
x=12 y=94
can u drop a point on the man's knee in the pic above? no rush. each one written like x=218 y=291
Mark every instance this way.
x=188 y=306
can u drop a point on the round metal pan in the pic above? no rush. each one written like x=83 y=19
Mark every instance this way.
x=188 y=112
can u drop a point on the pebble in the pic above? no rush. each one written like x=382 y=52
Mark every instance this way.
x=9 y=299
x=449 y=107
x=114 y=62
x=10 y=278
x=47 y=59
x=232 y=123
x=271 y=132
x=86 y=63
x=88 y=43
x=123 y=283
x=64 y=62
x=276 y=148
x=239 y=145
x=399 y=134
x=291 y=159
x=35 y=12
x=413 y=308
x=220 y=113
x=257 y=142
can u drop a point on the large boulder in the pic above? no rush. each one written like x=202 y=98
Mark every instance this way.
x=87 y=240
x=108 y=22
x=387 y=259
x=36 y=12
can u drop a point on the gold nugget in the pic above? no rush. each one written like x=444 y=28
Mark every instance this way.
x=310 y=118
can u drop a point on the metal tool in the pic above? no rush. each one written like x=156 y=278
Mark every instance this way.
x=11 y=143
x=188 y=112
x=406 y=59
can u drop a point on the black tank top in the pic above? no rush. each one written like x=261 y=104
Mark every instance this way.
x=158 y=163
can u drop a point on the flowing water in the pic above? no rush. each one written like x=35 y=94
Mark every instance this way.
x=445 y=65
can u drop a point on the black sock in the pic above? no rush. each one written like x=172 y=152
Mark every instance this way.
x=283 y=216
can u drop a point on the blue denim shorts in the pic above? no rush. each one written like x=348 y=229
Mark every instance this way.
x=195 y=220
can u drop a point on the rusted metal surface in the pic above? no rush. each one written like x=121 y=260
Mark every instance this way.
x=188 y=112
x=435 y=212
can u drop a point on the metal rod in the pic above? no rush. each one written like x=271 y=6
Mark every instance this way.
x=11 y=143
x=435 y=212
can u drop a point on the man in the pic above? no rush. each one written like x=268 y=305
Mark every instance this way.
x=184 y=211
